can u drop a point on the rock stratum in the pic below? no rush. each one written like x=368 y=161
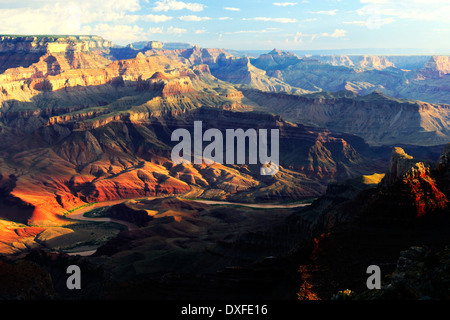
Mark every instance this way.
x=86 y=126
x=379 y=119
x=22 y=51
x=77 y=129
x=407 y=209
x=320 y=252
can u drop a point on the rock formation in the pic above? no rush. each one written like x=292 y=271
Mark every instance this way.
x=409 y=208
x=379 y=119
x=364 y=62
x=22 y=51
x=436 y=67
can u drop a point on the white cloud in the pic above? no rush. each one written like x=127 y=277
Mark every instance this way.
x=266 y=30
x=225 y=18
x=201 y=31
x=60 y=17
x=358 y=23
x=193 y=18
x=373 y=22
x=430 y=10
x=338 y=33
x=328 y=12
x=281 y=20
x=284 y=4
x=166 y=5
x=156 y=30
x=232 y=9
x=114 y=20
x=119 y=33
x=170 y=30
x=155 y=18
x=298 y=37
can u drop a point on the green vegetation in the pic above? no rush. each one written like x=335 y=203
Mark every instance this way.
x=96 y=213
x=78 y=208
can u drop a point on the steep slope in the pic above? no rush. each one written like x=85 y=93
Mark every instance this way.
x=398 y=76
x=360 y=62
x=436 y=67
x=275 y=60
x=379 y=119
x=100 y=134
x=241 y=71
x=226 y=67
x=408 y=208
x=62 y=166
x=23 y=51
x=410 y=77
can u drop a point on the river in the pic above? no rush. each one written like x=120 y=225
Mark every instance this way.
x=79 y=214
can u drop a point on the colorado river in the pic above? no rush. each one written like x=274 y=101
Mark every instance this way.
x=79 y=214
x=250 y=205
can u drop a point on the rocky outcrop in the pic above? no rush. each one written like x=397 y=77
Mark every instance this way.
x=51 y=44
x=166 y=84
x=22 y=51
x=55 y=72
x=436 y=67
x=191 y=56
x=408 y=208
x=364 y=62
x=402 y=164
x=413 y=183
x=242 y=71
x=398 y=76
x=275 y=59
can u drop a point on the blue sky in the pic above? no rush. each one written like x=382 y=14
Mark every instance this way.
x=242 y=24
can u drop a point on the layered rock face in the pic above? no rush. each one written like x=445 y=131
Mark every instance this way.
x=191 y=56
x=416 y=187
x=436 y=67
x=399 y=76
x=379 y=119
x=409 y=207
x=54 y=73
x=275 y=59
x=17 y=51
x=77 y=128
x=127 y=158
x=400 y=164
x=52 y=44
x=364 y=62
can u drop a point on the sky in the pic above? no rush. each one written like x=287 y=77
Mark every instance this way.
x=241 y=24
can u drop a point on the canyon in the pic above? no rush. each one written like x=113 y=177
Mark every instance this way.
x=86 y=126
